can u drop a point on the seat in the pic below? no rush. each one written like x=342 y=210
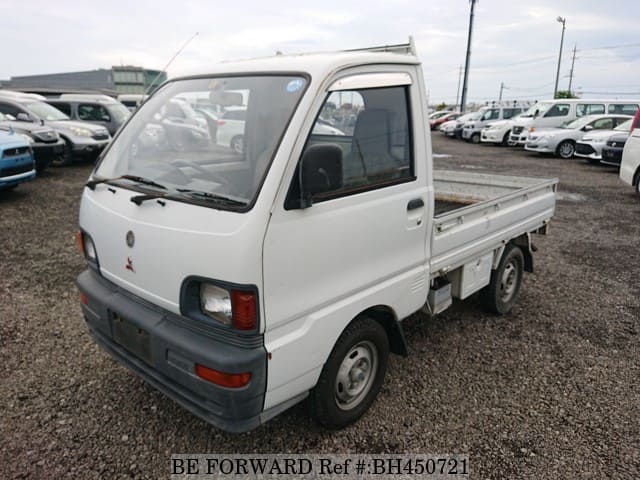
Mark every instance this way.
x=370 y=155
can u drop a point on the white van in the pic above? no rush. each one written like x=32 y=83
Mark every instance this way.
x=554 y=113
x=239 y=283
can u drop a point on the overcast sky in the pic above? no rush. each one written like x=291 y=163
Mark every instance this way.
x=515 y=42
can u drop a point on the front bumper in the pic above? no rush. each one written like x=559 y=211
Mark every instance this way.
x=612 y=156
x=491 y=137
x=467 y=133
x=519 y=138
x=43 y=153
x=88 y=146
x=10 y=181
x=590 y=150
x=172 y=346
x=535 y=146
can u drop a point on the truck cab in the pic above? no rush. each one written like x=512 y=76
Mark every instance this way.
x=242 y=281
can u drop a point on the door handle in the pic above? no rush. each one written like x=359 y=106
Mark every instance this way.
x=414 y=204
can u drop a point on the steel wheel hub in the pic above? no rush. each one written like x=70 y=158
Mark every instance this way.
x=355 y=375
x=508 y=282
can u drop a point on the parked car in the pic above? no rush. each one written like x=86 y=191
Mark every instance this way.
x=498 y=132
x=131 y=100
x=16 y=160
x=439 y=114
x=81 y=138
x=231 y=129
x=562 y=141
x=460 y=122
x=98 y=109
x=44 y=141
x=241 y=286
x=436 y=122
x=448 y=128
x=554 y=113
x=591 y=145
x=630 y=165
x=612 y=150
x=472 y=129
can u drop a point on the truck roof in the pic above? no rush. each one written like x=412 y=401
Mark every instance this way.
x=315 y=64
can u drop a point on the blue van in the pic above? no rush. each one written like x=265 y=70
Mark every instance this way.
x=16 y=160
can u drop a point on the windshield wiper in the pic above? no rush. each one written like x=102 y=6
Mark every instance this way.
x=211 y=196
x=91 y=184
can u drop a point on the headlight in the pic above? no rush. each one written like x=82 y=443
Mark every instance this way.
x=216 y=302
x=80 y=132
x=599 y=140
x=233 y=307
x=29 y=139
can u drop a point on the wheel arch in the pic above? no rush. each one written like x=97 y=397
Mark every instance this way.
x=388 y=319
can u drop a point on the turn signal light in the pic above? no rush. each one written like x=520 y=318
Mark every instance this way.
x=244 y=310
x=229 y=380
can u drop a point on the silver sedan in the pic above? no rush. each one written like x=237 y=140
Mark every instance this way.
x=562 y=141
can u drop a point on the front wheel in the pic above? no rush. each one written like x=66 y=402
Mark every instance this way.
x=505 y=139
x=502 y=292
x=66 y=158
x=352 y=376
x=475 y=138
x=237 y=144
x=566 y=149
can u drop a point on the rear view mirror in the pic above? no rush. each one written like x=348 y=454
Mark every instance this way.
x=226 y=98
x=320 y=171
x=23 y=117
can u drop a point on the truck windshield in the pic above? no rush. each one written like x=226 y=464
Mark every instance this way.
x=172 y=141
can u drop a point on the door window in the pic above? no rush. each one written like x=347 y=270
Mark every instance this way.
x=372 y=128
x=558 y=110
x=603 y=124
x=583 y=109
x=623 y=109
x=93 y=113
x=10 y=110
x=63 y=107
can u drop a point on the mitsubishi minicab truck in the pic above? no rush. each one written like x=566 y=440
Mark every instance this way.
x=242 y=281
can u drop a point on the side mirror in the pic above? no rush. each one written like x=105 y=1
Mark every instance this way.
x=587 y=128
x=536 y=113
x=23 y=117
x=106 y=118
x=320 y=171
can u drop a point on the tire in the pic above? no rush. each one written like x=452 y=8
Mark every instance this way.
x=566 y=149
x=475 y=138
x=505 y=139
x=237 y=144
x=638 y=184
x=66 y=158
x=360 y=356
x=504 y=288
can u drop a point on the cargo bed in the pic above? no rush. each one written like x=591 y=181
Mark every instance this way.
x=475 y=212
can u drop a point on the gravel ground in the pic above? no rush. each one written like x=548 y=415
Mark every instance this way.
x=548 y=391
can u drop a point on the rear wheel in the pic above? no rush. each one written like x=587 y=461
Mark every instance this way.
x=566 y=149
x=503 y=290
x=352 y=377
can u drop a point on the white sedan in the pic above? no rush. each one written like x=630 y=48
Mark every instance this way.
x=590 y=147
x=562 y=141
x=497 y=132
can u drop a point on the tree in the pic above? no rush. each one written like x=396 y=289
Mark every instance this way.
x=441 y=106
x=565 y=94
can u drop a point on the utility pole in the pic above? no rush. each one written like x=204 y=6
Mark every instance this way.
x=573 y=61
x=502 y=87
x=463 y=100
x=458 y=90
x=563 y=22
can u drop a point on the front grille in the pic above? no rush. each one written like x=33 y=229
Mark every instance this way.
x=584 y=149
x=10 y=171
x=517 y=130
x=14 y=152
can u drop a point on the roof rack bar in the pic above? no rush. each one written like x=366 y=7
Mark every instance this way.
x=401 y=48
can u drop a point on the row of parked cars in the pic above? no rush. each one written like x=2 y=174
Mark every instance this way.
x=37 y=131
x=596 y=130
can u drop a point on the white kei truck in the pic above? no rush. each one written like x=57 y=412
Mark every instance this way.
x=240 y=283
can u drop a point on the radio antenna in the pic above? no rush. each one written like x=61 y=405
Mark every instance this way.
x=170 y=62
